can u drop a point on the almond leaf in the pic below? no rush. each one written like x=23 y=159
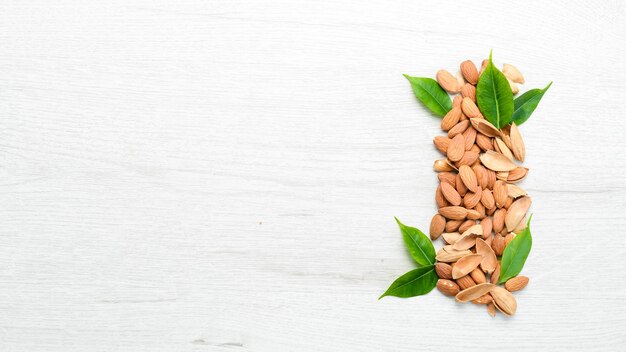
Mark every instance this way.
x=430 y=93
x=525 y=104
x=515 y=254
x=419 y=245
x=494 y=96
x=416 y=282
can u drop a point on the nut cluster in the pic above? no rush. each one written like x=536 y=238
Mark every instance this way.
x=481 y=209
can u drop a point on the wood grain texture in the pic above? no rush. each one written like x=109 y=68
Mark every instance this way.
x=223 y=175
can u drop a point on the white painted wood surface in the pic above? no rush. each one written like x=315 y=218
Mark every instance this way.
x=223 y=175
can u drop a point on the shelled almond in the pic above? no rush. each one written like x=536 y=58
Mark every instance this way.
x=480 y=206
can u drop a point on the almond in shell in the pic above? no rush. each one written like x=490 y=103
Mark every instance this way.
x=516 y=212
x=517 y=143
x=504 y=300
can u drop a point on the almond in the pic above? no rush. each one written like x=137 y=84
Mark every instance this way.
x=489 y=261
x=460 y=186
x=466 y=225
x=451 y=118
x=456 y=102
x=465 y=282
x=459 y=128
x=470 y=137
x=459 y=78
x=474 y=292
x=493 y=160
x=465 y=265
x=516 y=212
x=498 y=244
x=440 y=199
x=487 y=225
x=469 y=158
x=437 y=225
x=495 y=275
x=451 y=195
x=472 y=198
x=480 y=209
x=469 y=71
x=487 y=199
x=450 y=237
x=513 y=74
x=447 y=177
x=491 y=309
x=498 y=220
x=491 y=175
x=481 y=176
x=514 y=191
x=448 y=82
x=514 y=87
x=483 y=126
x=442 y=165
x=443 y=270
x=468 y=177
x=478 y=276
x=468 y=91
x=473 y=214
x=453 y=212
x=483 y=142
x=470 y=109
x=442 y=143
x=453 y=225
x=447 y=287
x=509 y=200
x=517 y=143
x=483 y=66
x=504 y=300
x=508 y=238
x=456 y=149
x=517 y=174
x=517 y=283
x=500 y=193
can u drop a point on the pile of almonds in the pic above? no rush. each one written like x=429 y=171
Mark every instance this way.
x=481 y=209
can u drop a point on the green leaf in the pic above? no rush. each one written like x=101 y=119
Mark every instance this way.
x=416 y=282
x=494 y=96
x=419 y=245
x=515 y=254
x=525 y=104
x=428 y=91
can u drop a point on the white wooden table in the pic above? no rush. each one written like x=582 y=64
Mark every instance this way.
x=223 y=175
